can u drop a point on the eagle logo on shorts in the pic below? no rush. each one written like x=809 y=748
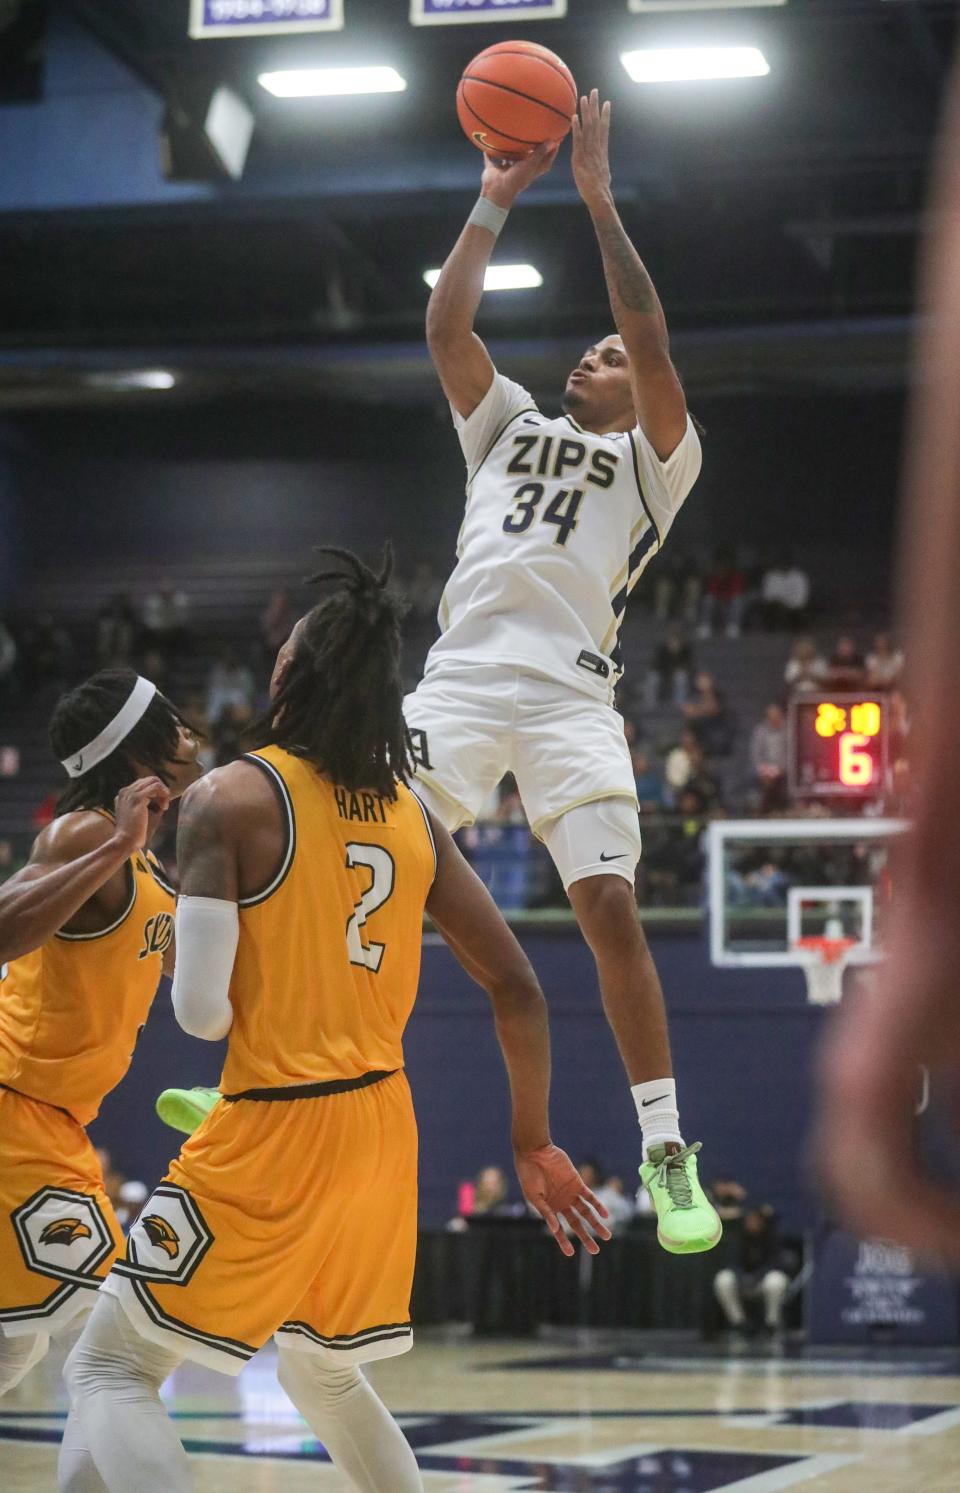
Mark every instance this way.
x=64 y=1231
x=159 y=1232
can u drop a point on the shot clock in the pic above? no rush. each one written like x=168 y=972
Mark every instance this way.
x=838 y=745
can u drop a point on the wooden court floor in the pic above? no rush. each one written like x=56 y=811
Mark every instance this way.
x=595 y=1415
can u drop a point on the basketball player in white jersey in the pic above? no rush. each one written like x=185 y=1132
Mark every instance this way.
x=562 y=517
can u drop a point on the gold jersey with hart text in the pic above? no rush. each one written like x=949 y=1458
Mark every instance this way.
x=328 y=961
x=71 y=1011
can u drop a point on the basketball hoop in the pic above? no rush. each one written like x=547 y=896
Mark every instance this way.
x=824 y=961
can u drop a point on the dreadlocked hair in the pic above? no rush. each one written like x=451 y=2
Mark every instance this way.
x=82 y=714
x=341 y=702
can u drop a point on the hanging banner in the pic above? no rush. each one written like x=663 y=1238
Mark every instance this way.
x=643 y=7
x=453 y=12
x=210 y=18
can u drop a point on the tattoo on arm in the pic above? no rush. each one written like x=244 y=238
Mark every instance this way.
x=206 y=856
x=630 y=287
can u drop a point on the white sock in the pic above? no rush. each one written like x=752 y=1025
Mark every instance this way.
x=114 y=1377
x=657 y=1112
x=357 y=1429
x=18 y=1356
x=76 y=1469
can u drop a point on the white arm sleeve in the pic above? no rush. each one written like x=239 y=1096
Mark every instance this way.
x=208 y=932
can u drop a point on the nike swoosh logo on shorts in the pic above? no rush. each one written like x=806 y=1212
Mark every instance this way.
x=619 y=857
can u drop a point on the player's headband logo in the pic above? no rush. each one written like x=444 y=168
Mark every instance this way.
x=114 y=732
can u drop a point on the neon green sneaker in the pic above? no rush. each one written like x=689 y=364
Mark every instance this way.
x=687 y=1222
x=185 y=1109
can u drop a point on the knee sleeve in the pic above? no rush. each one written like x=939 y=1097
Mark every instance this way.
x=305 y=1377
x=110 y=1353
x=362 y=1439
x=18 y=1355
x=595 y=839
x=114 y=1377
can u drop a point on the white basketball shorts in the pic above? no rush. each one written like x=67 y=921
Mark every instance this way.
x=565 y=748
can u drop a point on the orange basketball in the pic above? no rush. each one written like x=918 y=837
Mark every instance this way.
x=513 y=97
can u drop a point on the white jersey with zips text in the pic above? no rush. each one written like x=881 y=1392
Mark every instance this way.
x=559 y=526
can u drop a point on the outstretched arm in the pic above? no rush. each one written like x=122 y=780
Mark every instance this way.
x=459 y=356
x=657 y=392
x=475 y=931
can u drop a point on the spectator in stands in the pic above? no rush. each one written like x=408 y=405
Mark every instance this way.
x=764 y=884
x=724 y=598
x=686 y=767
x=706 y=715
x=758 y=1274
x=668 y=678
x=230 y=683
x=233 y=723
x=651 y=789
x=8 y=663
x=621 y=1208
x=728 y=1197
x=678 y=586
x=693 y=806
x=610 y=1190
x=768 y=758
x=116 y=633
x=48 y=650
x=165 y=619
x=845 y=670
x=806 y=666
x=490 y=1191
x=785 y=596
x=704 y=785
x=277 y=621
x=665 y=587
x=884 y=663
x=681 y=760
x=155 y=665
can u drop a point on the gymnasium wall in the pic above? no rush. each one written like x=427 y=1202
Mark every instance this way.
x=205 y=482
x=743 y=1047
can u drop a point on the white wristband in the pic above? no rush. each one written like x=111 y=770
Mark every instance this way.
x=487 y=214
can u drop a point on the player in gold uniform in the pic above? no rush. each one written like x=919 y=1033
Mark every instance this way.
x=306 y=868
x=84 y=930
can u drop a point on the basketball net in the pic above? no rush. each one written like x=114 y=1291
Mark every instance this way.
x=824 y=962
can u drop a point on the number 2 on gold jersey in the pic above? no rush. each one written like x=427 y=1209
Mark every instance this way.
x=380 y=863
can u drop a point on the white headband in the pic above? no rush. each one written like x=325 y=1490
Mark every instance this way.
x=112 y=734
